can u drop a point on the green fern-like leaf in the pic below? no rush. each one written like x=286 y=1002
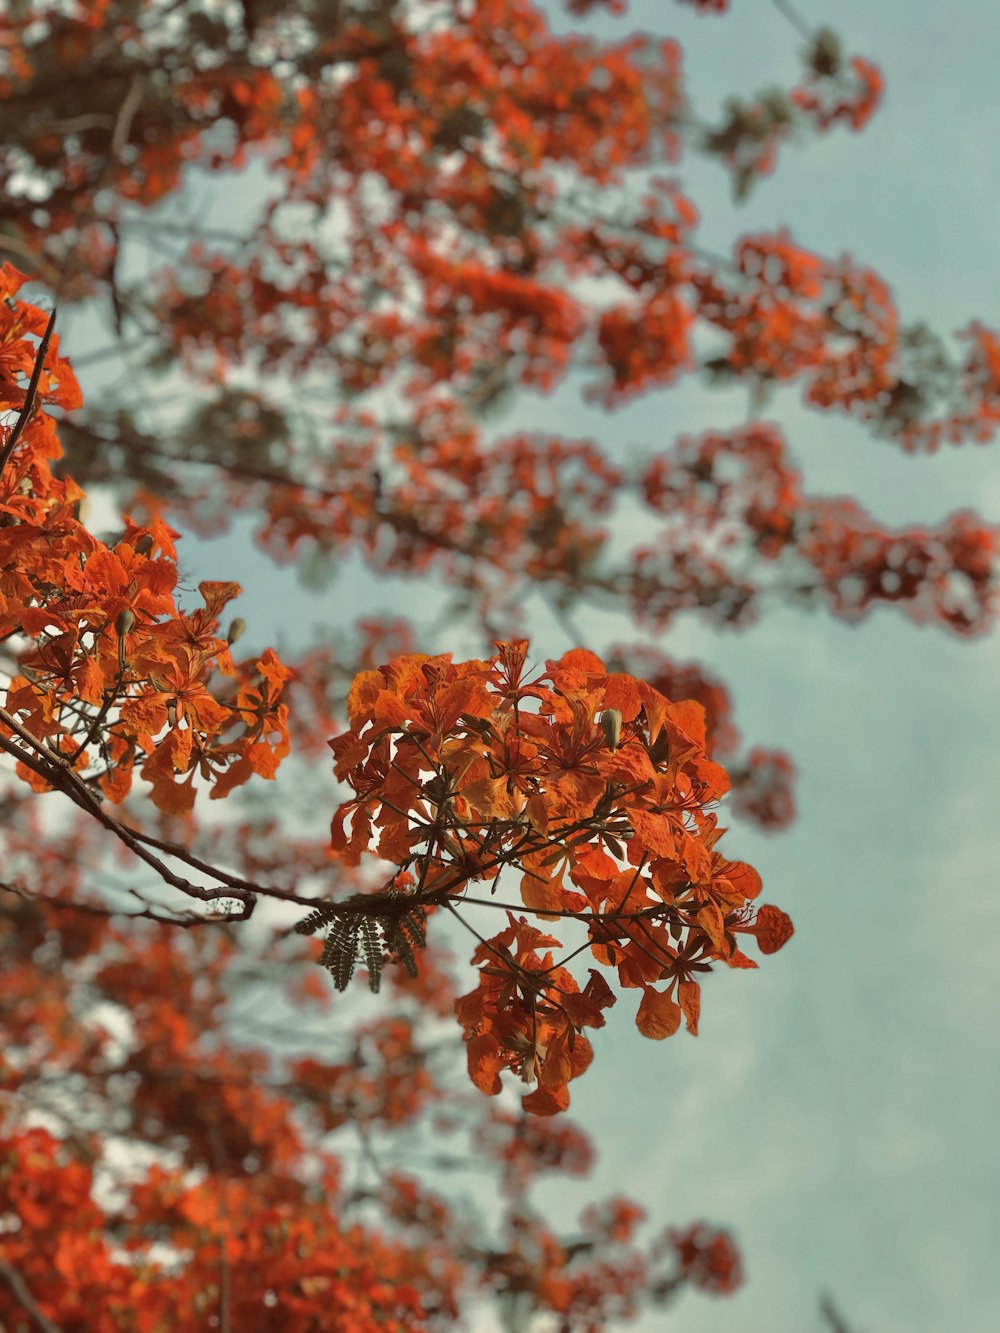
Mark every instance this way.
x=322 y=916
x=371 y=949
x=373 y=940
x=340 y=951
x=404 y=935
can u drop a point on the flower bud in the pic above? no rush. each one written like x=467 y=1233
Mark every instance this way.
x=236 y=630
x=125 y=621
x=611 y=725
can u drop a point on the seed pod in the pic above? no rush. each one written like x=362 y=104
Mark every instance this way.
x=236 y=630
x=611 y=725
x=125 y=621
x=826 y=58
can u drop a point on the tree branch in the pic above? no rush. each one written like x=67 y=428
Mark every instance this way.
x=19 y=1287
x=29 y=401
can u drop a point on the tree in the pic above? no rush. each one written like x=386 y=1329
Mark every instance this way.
x=434 y=215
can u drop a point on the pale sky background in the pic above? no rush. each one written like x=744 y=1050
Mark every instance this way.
x=838 y=1112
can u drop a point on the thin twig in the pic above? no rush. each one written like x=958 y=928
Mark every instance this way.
x=652 y=911
x=786 y=10
x=511 y=963
x=14 y=244
x=29 y=401
x=58 y=773
x=109 y=697
x=19 y=1287
x=126 y=115
x=88 y=120
x=829 y=1312
x=169 y=916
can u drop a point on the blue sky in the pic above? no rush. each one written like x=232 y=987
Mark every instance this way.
x=838 y=1110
